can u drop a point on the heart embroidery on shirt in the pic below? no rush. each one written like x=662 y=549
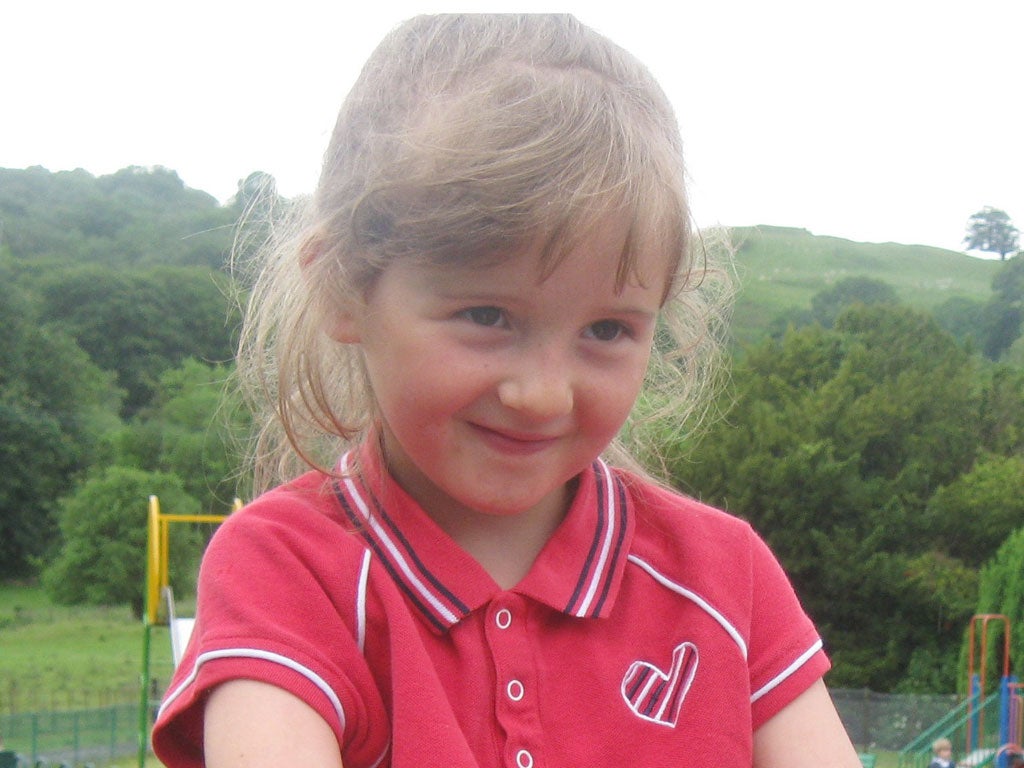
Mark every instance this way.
x=657 y=696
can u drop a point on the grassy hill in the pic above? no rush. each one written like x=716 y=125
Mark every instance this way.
x=781 y=268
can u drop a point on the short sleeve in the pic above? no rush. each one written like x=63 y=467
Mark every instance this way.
x=785 y=654
x=277 y=602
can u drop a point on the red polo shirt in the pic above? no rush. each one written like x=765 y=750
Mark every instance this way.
x=651 y=630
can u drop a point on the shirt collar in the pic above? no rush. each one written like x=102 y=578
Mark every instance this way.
x=577 y=573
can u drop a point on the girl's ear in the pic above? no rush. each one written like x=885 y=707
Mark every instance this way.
x=341 y=323
x=343 y=326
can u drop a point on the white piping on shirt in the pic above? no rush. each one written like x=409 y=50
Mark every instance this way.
x=399 y=558
x=253 y=653
x=700 y=601
x=364 y=575
x=771 y=684
x=779 y=678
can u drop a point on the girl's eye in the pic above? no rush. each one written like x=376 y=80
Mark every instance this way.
x=606 y=330
x=491 y=317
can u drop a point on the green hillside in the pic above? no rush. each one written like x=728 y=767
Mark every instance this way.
x=781 y=268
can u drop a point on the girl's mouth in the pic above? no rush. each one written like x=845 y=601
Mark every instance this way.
x=514 y=443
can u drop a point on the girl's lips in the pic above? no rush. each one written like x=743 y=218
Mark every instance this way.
x=512 y=442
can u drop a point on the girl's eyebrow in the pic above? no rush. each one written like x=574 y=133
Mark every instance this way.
x=475 y=292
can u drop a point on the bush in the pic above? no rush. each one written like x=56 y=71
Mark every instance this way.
x=104 y=530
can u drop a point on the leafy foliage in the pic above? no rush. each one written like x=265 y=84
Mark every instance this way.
x=54 y=406
x=976 y=512
x=1001 y=589
x=135 y=216
x=139 y=322
x=194 y=429
x=834 y=446
x=103 y=526
x=827 y=305
x=993 y=325
x=97 y=301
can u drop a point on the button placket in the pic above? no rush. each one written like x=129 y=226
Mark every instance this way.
x=515 y=699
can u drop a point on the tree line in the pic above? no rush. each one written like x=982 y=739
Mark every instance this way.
x=879 y=449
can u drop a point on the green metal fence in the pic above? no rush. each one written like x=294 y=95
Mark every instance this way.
x=888 y=721
x=75 y=737
x=875 y=721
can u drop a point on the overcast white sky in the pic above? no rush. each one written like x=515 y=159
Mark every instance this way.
x=877 y=120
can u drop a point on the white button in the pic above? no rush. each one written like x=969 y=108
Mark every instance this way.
x=515 y=690
x=524 y=759
x=503 y=618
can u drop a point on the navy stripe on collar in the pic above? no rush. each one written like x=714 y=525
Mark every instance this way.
x=442 y=608
x=595 y=581
x=438 y=604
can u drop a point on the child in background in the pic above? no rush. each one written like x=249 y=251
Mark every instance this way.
x=466 y=318
x=942 y=754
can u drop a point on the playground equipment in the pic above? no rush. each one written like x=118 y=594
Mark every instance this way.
x=1010 y=712
x=988 y=725
x=160 y=608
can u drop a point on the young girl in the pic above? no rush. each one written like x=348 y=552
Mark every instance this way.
x=467 y=318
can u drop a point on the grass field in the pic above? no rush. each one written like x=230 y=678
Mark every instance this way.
x=57 y=657
x=780 y=268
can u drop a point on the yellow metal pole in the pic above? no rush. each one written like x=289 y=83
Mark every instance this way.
x=165 y=553
x=153 y=561
x=157 y=577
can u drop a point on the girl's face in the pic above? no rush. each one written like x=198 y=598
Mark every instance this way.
x=495 y=388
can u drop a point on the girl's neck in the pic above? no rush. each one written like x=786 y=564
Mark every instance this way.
x=505 y=545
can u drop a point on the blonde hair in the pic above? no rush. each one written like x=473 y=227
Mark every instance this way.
x=465 y=138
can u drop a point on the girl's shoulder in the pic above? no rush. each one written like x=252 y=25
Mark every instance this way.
x=689 y=542
x=302 y=516
x=659 y=507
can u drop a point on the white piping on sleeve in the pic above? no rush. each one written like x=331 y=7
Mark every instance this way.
x=779 y=678
x=253 y=653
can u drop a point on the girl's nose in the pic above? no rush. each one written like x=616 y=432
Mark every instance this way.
x=542 y=392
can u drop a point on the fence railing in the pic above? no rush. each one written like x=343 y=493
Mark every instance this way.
x=73 y=737
x=875 y=721
x=19 y=696
x=889 y=721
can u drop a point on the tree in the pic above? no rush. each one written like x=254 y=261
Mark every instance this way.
x=194 y=429
x=975 y=513
x=1001 y=589
x=135 y=216
x=54 y=406
x=990 y=230
x=104 y=528
x=834 y=443
x=34 y=459
x=137 y=323
x=827 y=305
x=1005 y=310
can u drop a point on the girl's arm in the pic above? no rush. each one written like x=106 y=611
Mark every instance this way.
x=807 y=733
x=248 y=724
